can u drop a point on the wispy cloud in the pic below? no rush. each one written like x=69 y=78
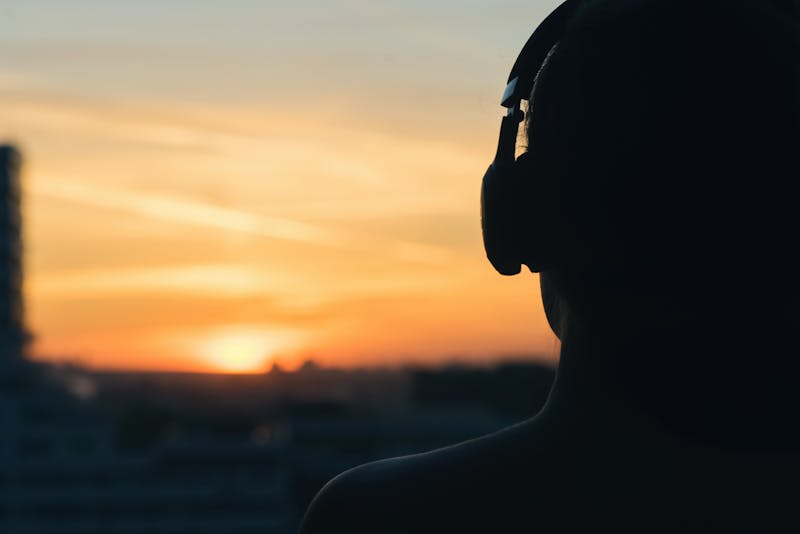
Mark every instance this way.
x=207 y=215
x=186 y=211
x=210 y=280
x=223 y=281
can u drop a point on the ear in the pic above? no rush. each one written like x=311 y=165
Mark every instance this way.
x=553 y=303
x=535 y=231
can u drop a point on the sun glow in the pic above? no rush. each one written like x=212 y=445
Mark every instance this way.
x=242 y=350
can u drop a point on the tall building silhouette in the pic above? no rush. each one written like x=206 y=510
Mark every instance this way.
x=13 y=334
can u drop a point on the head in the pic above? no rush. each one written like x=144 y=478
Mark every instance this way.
x=666 y=135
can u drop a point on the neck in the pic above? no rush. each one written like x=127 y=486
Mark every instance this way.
x=725 y=391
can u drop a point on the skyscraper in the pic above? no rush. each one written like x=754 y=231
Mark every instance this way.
x=13 y=334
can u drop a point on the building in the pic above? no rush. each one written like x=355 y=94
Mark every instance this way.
x=13 y=335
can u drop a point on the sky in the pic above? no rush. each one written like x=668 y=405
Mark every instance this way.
x=219 y=185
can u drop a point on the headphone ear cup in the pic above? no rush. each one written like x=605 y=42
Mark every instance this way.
x=500 y=217
x=514 y=223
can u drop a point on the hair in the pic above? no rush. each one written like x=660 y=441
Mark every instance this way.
x=667 y=133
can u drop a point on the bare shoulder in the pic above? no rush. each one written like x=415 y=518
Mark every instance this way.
x=353 y=501
x=459 y=488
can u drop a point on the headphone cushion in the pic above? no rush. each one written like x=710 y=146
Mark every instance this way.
x=500 y=218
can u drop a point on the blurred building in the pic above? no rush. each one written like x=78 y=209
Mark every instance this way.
x=12 y=317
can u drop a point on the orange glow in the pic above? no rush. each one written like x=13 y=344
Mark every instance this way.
x=238 y=353
x=208 y=215
x=240 y=349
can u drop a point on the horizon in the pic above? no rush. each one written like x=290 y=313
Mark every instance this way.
x=374 y=367
x=218 y=186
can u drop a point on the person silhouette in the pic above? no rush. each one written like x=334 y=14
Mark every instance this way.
x=658 y=200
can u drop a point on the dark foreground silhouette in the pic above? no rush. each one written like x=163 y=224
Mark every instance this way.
x=659 y=201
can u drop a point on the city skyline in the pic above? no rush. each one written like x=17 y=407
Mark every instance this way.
x=215 y=188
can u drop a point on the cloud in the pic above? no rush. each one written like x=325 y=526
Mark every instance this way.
x=193 y=212
x=210 y=280
x=207 y=215
x=227 y=281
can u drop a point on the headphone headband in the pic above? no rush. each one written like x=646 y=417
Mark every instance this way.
x=534 y=53
x=523 y=75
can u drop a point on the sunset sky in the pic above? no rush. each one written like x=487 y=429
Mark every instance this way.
x=214 y=185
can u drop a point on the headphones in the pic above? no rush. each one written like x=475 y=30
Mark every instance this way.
x=502 y=210
x=507 y=181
